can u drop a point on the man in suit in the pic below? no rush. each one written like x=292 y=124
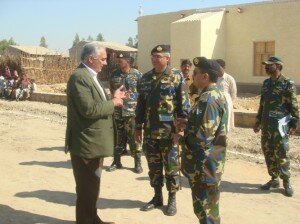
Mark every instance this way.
x=90 y=132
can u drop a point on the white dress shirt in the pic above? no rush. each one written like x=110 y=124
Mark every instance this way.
x=94 y=77
x=227 y=85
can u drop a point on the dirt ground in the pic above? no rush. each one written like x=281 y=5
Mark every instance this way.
x=244 y=101
x=54 y=88
x=37 y=184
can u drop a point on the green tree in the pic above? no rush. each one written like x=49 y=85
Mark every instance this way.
x=43 y=42
x=100 y=37
x=11 y=41
x=89 y=38
x=130 y=42
x=136 y=41
x=76 y=40
x=5 y=43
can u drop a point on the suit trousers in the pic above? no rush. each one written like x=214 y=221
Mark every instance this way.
x=87 y=173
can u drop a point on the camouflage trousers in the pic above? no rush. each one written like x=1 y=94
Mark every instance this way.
x=205 y=195
x=161 y=154
x=125 y=134
x=275 y=149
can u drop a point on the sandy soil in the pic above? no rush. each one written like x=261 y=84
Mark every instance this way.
x=37 y=184
x=54 y=88
x=244 y=101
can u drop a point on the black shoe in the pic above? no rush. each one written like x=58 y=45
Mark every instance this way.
x=116 y=164
x=274 y=183
x=288 y=190
x=171 y=208
x=138 y=163
x=114 y=167
x=156 y=201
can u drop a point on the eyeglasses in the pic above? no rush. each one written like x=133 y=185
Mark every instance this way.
x=156 y=56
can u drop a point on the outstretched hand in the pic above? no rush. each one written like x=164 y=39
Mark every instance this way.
x=120 y=93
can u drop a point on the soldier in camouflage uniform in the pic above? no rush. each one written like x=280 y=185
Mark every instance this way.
x=277 y=118
x=125 y=117
x=204 y=142
x=162 y=98
x=185 y=68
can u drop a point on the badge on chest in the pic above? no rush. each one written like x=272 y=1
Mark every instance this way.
x=166 y=117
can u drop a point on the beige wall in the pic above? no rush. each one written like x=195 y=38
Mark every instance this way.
x=229 y=35
x=154 y=30
x=182 y=35
x=202 y=37
x=279 y=22
x=213 y=36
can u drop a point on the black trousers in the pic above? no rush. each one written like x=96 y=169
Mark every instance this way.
x=87 y=173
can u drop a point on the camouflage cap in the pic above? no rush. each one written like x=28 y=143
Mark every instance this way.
x=273 y=60
x=162 y=48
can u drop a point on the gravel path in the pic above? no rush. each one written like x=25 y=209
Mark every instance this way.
x=241 y=141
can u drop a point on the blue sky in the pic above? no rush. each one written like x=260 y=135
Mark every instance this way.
x=59 y=20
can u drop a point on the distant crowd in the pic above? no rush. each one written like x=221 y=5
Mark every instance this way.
x=15 y=87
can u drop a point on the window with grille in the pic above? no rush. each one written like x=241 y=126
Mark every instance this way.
x=262 y=51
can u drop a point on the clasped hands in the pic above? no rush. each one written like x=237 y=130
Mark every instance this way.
x=180 y=124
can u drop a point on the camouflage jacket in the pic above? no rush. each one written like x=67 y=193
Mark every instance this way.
x=278 y=99
x=161 y=99
x=129 y=81
x=204 y=139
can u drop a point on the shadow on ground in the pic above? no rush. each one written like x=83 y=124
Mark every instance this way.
x=62 y=148
x=66 y=198
x=246 y=188
x=60 y=164
x=226 y=186
x=11 y=215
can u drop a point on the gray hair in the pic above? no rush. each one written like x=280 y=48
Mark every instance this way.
x=91 y=49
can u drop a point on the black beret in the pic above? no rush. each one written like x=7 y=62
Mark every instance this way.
x=207 y=64
x=162 y=48
x=124 y=55
x=186 y=62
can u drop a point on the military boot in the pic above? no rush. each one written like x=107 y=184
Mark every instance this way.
x=288 y=190
x=273 y=183
x=156 y=201
x=138 y=163
x=171 y=208
x=116 y=164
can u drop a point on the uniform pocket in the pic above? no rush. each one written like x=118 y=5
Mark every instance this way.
x=187 y=164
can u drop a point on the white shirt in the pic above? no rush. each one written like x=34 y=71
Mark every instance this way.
x=227 y=85
x=94 y=77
